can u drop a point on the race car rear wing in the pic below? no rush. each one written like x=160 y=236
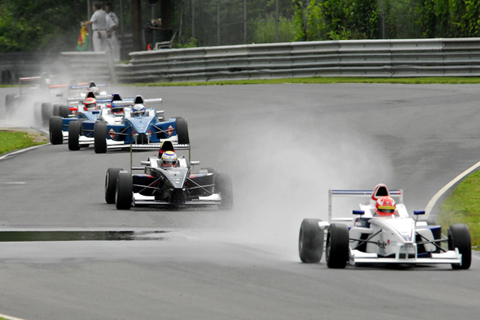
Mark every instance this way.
x=356 y=193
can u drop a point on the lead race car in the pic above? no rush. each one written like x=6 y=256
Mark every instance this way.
x=168 y=181
x=383 y=233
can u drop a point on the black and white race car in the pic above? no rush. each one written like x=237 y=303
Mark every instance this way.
x=168 y=185
x=373 y=238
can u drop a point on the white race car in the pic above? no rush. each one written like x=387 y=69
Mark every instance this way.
x=393 y=238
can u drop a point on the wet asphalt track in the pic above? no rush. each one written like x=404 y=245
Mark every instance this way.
x=285 y=146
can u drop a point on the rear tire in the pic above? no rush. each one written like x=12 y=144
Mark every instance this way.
x=337 y=246
x=64 y=111
x=124 y=189
x=74 y=129
x=100 y=136
x=459 y=237
x=223 y=185
x=182 y=131
x=56 y=130
x=111 y=184
x=47 y=112
x=310 y=241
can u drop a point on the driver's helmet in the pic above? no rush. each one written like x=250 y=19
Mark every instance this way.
x=138 y=110
x=95 y=90
x=90 y=104
x=116 y=109
x=169 y=159
x=385 y=206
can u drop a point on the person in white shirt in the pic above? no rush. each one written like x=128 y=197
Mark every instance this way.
x=99 y=28
x=112 y=25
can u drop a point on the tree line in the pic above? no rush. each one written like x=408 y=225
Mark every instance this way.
x=53 y=25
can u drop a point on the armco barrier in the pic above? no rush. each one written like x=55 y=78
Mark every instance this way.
x=85 y=66
x=351 y=58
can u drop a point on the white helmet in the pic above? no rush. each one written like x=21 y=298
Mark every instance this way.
x=95 y=90
x=138 y=110
x=169 y=159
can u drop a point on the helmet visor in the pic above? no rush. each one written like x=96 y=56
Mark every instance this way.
x=89 y=106
x=386 y=209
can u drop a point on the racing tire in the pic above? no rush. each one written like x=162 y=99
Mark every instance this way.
x=459 y=237
x=64 y=111
x=100 y=136
x=74 y=129
x=10 y=102
x=56 y=109
x=111 y=184
x=310 y=241
x=47 y=112
x=337 y=246
x=182 y=131
x=55 y=129
x=124 y=191
x=223 y=185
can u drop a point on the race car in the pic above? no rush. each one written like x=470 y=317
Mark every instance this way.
x=140 y=127
x=168 y=180
x=38 y=90
x=59 y=125
x=382 y=233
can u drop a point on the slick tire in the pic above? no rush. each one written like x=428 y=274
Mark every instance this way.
x=337 y=246
x=310 y=241
x=223 y=185
x=100 y=136
x=64 y=111
x=459 y=237
x=111 y=184
x=56 y=109
x=124 y=191
x=74 y=129
x=55 y=129
x=182 y=131
x=47 y=112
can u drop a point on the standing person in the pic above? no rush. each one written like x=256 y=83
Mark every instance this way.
x=112 y=25
x=99 y=27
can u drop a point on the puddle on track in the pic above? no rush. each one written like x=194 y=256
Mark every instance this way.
x=18 y=236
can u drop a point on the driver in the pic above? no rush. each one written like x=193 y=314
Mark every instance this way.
x=90 y=104
x=385 y=206
x=169 y=159
x=138 y=110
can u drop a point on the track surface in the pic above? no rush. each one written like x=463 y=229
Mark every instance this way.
x=285 y=146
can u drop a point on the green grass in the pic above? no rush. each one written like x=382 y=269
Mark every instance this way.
x=320 y=80
x=11 y=141
x=463 y=206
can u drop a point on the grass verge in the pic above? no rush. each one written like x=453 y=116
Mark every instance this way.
x=463 y=206
x=11 y=141
x=321 y=80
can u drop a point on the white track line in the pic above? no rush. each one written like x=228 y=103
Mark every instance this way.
x=9 y=317
x=452 y=183
x=20 y=151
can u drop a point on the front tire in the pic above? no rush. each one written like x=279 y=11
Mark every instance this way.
x=56 y=130
x=100 y=136
x=182 y=131
x=310 y=241
x=459 y=237
x=111 y=184
x=337 y=246
x=124 y=191
x=223 y=185
x=74 y=129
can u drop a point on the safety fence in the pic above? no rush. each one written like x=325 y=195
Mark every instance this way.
x=349 y=58
x=86 y=66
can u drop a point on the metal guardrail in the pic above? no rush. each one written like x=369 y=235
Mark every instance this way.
x=98 y=66
x=350 y=58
